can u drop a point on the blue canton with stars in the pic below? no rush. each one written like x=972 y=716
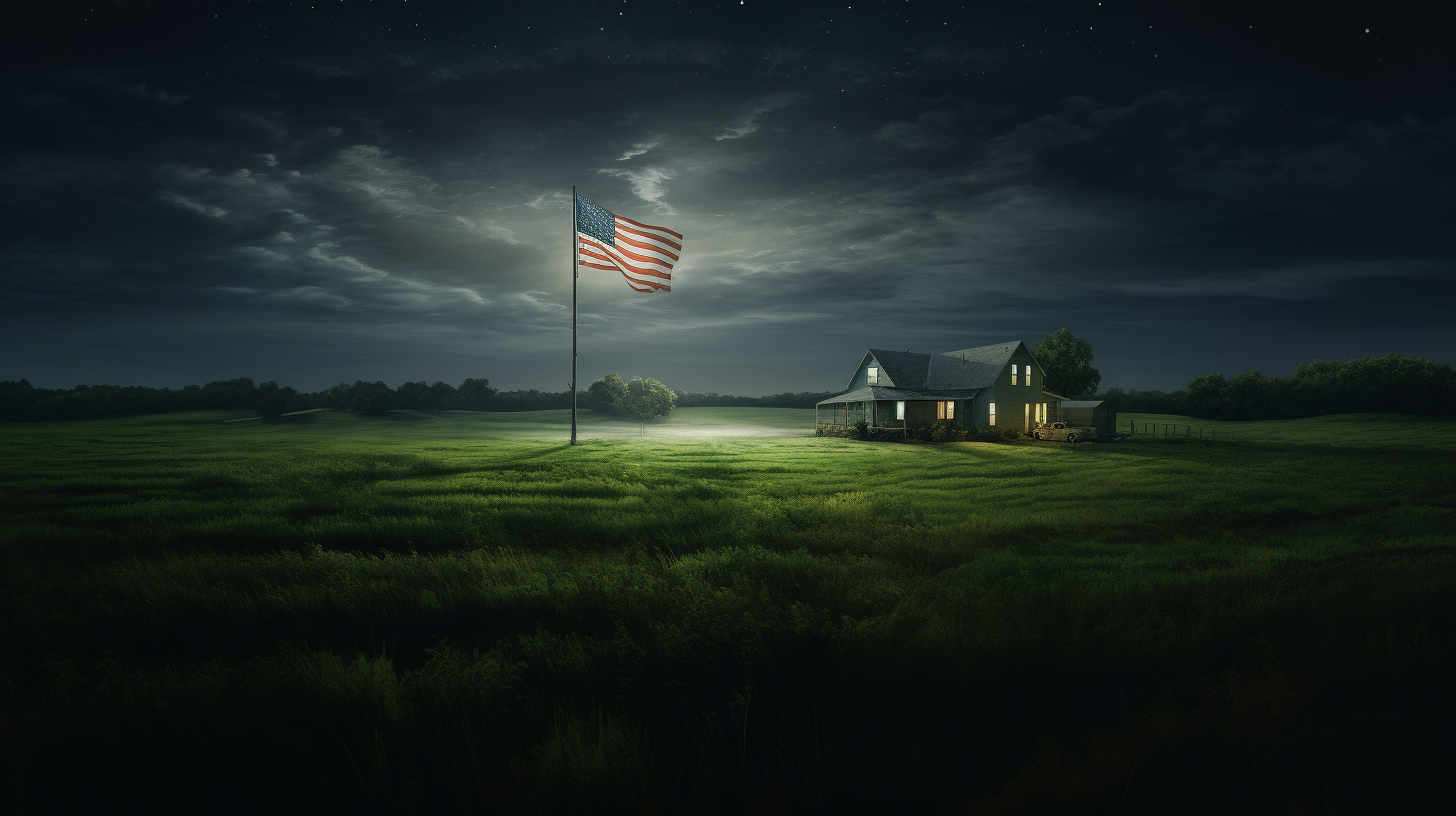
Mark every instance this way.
x=596 y=222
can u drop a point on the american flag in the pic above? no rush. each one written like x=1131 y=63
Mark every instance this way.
x=644 y=254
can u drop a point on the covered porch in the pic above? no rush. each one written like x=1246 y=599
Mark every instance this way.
x=897 y=408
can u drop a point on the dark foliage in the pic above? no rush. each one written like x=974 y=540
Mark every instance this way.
x=940 y=431
x=641 y=399
x=607 y=395
x=19 y=400
x=532 y=400
x=475 y=395
x=271 y=406
x=1066 y=361
x=649 y=399
x=854 y=432
x=1359 y=386
x=371 y=398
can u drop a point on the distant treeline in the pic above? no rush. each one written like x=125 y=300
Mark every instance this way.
x=788 y=399
x=1392 y=383
x=21 y=401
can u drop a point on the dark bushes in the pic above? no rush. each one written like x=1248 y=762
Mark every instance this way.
x=941 y=431
x=865 y=433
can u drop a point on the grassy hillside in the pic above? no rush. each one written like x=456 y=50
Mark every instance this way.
x=422 y=611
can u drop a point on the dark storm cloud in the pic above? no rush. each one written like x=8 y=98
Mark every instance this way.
x=345 y=201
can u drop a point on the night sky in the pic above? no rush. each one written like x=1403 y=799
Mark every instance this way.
x=316 y=193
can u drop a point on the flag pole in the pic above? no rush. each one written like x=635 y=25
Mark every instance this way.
x=574 y=243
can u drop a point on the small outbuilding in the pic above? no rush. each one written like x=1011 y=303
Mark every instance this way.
x=1098 y=414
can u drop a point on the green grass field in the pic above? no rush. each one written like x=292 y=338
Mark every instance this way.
x=422 y=612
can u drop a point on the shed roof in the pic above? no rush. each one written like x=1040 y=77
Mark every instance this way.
x=1082 y=403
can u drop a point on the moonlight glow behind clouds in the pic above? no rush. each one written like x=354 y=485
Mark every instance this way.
x=382 y=190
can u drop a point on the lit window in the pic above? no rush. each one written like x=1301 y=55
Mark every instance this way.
x=940 y=410
x=950 y=410
x=1028 y=375
x=873 y=374
x=991 y=407
x=899 y=409
x=1013 y=374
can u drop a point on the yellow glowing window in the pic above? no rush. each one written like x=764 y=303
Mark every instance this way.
x=991 y=407
x=950 y=410
x=873 y=374
x=1013 y=374
x=940 y=410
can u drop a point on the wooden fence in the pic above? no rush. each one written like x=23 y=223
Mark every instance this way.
x=1157 y=429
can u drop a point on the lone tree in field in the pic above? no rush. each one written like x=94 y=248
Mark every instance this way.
x=1066 y=362
x=649 y=399
x=608 y=395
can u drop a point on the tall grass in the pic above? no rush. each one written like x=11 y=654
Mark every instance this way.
x=458 y=611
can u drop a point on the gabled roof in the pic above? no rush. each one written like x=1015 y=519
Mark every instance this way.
x=906 y=369
x=951 y=371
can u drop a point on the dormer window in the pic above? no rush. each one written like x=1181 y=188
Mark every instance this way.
x=873 y=375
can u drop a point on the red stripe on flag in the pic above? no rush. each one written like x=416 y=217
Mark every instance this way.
x=641 y=258
x=603 y=252
x=662 y=240
x=677 y=235
x=642 y=245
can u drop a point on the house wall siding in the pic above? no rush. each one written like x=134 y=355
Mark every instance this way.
x=1011 y=411
x=919 y=411
x=979 y=416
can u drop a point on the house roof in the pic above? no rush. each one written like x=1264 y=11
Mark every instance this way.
x=872 y=393
x=971 y=368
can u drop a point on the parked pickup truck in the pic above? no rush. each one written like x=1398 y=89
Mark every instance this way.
x=1063 y=432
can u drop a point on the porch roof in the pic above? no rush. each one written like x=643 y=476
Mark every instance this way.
x=877 y=393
